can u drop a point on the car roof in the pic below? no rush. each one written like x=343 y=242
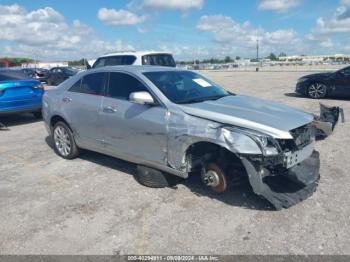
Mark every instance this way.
x=136 y=53
x=137 y=68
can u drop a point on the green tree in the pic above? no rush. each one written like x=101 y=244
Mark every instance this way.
x=272 y=57
x=228 y=59
x=282 y=54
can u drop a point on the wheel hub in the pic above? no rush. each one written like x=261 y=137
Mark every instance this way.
x=215 y=178
x=62 y=141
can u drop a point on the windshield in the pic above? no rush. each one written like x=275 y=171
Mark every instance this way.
x=159 y=59
x=184 y=87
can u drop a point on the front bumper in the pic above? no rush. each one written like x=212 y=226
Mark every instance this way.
x=286 y=187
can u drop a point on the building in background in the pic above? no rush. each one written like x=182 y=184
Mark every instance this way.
x=46 y=65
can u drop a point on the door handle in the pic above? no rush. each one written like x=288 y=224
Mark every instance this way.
x=67 y=99
x=110 y=109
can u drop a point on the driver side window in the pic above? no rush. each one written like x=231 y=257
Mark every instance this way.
x=121 y=85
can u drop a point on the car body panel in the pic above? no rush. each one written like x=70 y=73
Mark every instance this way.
x=20 y=95
x=127 y=126
x=268 y=117
x=160 y=135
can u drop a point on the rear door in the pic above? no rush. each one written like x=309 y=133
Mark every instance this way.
x=81 y=104
x=131 y=129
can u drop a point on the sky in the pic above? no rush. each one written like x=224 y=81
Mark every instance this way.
x=190 y=29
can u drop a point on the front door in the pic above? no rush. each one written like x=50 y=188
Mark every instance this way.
x=132 y=130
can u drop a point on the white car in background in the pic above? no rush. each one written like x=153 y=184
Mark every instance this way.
x=135 y=58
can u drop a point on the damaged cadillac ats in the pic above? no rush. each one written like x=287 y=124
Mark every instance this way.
x=174 y=123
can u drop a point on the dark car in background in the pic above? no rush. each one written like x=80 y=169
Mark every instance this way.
x=20 y=93
x=336 y=84
x=57 y=75
x=36 y=73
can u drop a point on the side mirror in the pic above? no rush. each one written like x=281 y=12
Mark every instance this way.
x=142 y=98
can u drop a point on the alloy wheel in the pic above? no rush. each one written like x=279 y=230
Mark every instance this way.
x=317 y=90
x=62 y=141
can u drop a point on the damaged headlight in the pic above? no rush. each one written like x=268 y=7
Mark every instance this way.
x=267 y=144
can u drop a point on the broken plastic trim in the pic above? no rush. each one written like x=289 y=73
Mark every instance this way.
x=284 y=188
x=328 y=119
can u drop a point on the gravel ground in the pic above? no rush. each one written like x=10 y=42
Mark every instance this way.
x=93 y=205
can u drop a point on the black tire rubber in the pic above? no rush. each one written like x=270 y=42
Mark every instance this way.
x=74 y=148
x=38 y=115
x=153 y=178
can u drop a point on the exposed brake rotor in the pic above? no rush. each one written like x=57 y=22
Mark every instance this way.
x=214 y=177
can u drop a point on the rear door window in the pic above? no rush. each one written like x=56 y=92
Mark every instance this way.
x=120 y=60
x=121 y=85
x=115 y=60
x=159 y=60
x=92 y=84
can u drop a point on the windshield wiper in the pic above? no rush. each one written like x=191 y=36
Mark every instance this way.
x=201 y=99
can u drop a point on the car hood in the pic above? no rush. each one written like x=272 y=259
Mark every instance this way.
x=318 y=75
x=268 y=117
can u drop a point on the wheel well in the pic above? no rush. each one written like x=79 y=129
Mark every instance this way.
x=201 y=153
x=56 y=119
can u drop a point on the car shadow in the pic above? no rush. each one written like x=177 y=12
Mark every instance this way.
x=16 y=120
x=295 y=95
x=240 y=195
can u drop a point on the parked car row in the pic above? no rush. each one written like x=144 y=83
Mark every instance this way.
x=54 y=76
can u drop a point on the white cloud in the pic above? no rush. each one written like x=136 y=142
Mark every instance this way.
x=230 y=35
x=119 y=17
x=278 y=5
x=180 y=5
x=345 y=2
x=45 y=34
x=332 y=33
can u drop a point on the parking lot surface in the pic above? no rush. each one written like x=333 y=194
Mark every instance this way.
x=93 y=205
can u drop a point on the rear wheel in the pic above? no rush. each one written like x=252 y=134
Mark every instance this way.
x=64 y=142
x=154 y=178
x=317 y=90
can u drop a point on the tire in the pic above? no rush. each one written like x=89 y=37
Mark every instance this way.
x=317 y=91
x=153 y=178
x=38 y=115
x=64 y=143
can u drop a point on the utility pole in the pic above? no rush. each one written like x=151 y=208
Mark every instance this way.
x=257 y=51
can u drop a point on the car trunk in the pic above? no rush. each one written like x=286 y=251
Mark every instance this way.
x=21 y=93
